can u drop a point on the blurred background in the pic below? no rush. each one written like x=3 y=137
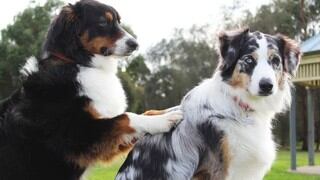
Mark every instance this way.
x=177 y=51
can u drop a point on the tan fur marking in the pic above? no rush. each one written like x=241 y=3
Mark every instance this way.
x=239 y=80
x=110 y=147
x=225 y=155
x=94 y=45
x=109 y=16
x=290 y=46
x=202 y=175
x=280 y=75
x=154 y=112
x=255 y=55
x=281 y=79
x=271 y=52
x=91 y=110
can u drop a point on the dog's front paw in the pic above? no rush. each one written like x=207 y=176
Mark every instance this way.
x=174 y=116
x=166 y=121
x=154 y=124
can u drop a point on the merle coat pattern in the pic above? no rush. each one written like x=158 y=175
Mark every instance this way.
x=226 y=131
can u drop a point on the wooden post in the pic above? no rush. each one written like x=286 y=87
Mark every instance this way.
x=292 y=132
x=310 y=126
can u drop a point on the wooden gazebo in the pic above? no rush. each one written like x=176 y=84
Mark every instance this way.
x=308 y=75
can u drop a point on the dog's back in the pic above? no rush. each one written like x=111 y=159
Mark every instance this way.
x=195 y=149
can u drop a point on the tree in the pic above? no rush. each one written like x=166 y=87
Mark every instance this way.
x=295 y=18
x=21 y=40
x=138 y=70
x=133 y=78
x=134 y=93
x=179 y=64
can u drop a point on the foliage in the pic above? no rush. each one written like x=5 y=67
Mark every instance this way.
x=134 y=77
x=138 y=70
x=21 y=40
x=179 y=64
x=294 y=18
x=134 y=93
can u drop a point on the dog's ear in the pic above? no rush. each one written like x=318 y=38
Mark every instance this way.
x=70 y=12
x=290 y=53
x=229 y=46
x=64 y=21
x=63 y=30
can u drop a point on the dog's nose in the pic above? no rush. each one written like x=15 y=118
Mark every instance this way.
x=132 y=44
x=266 y=86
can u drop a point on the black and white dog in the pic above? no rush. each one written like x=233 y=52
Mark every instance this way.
x=226 y=131
x=71 y=109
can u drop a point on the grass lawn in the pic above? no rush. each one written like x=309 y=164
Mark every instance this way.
x=278 y=171
x=282 y=164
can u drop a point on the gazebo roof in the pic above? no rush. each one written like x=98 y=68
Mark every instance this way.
x=310 y=45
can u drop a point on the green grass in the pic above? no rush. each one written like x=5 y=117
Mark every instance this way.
x=103 y=172
x=279 y=169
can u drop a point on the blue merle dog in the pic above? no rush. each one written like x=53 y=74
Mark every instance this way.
x=226 y=131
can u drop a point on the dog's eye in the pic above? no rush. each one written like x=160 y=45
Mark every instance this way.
x=248 y=59
x=103 y=24
x=275 y=60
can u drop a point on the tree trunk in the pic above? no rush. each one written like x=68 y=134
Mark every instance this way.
x=302 y=20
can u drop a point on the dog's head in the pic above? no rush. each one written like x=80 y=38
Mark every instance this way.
x=255 y=62
x=89 y=27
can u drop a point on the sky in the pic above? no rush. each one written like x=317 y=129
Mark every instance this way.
x=151 y=20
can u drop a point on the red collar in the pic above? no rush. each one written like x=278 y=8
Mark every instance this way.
x=244 y=106
x=61 y=57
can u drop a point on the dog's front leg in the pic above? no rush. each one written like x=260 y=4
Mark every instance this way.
x=119 y=134
x=152 y=122
x=141 y=124
x=155 y=121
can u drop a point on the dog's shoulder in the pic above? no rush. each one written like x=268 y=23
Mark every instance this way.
x=52 y=82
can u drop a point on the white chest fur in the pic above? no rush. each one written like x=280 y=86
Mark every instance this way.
x=252 y=150
x=101 y=84
x=249 y=137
